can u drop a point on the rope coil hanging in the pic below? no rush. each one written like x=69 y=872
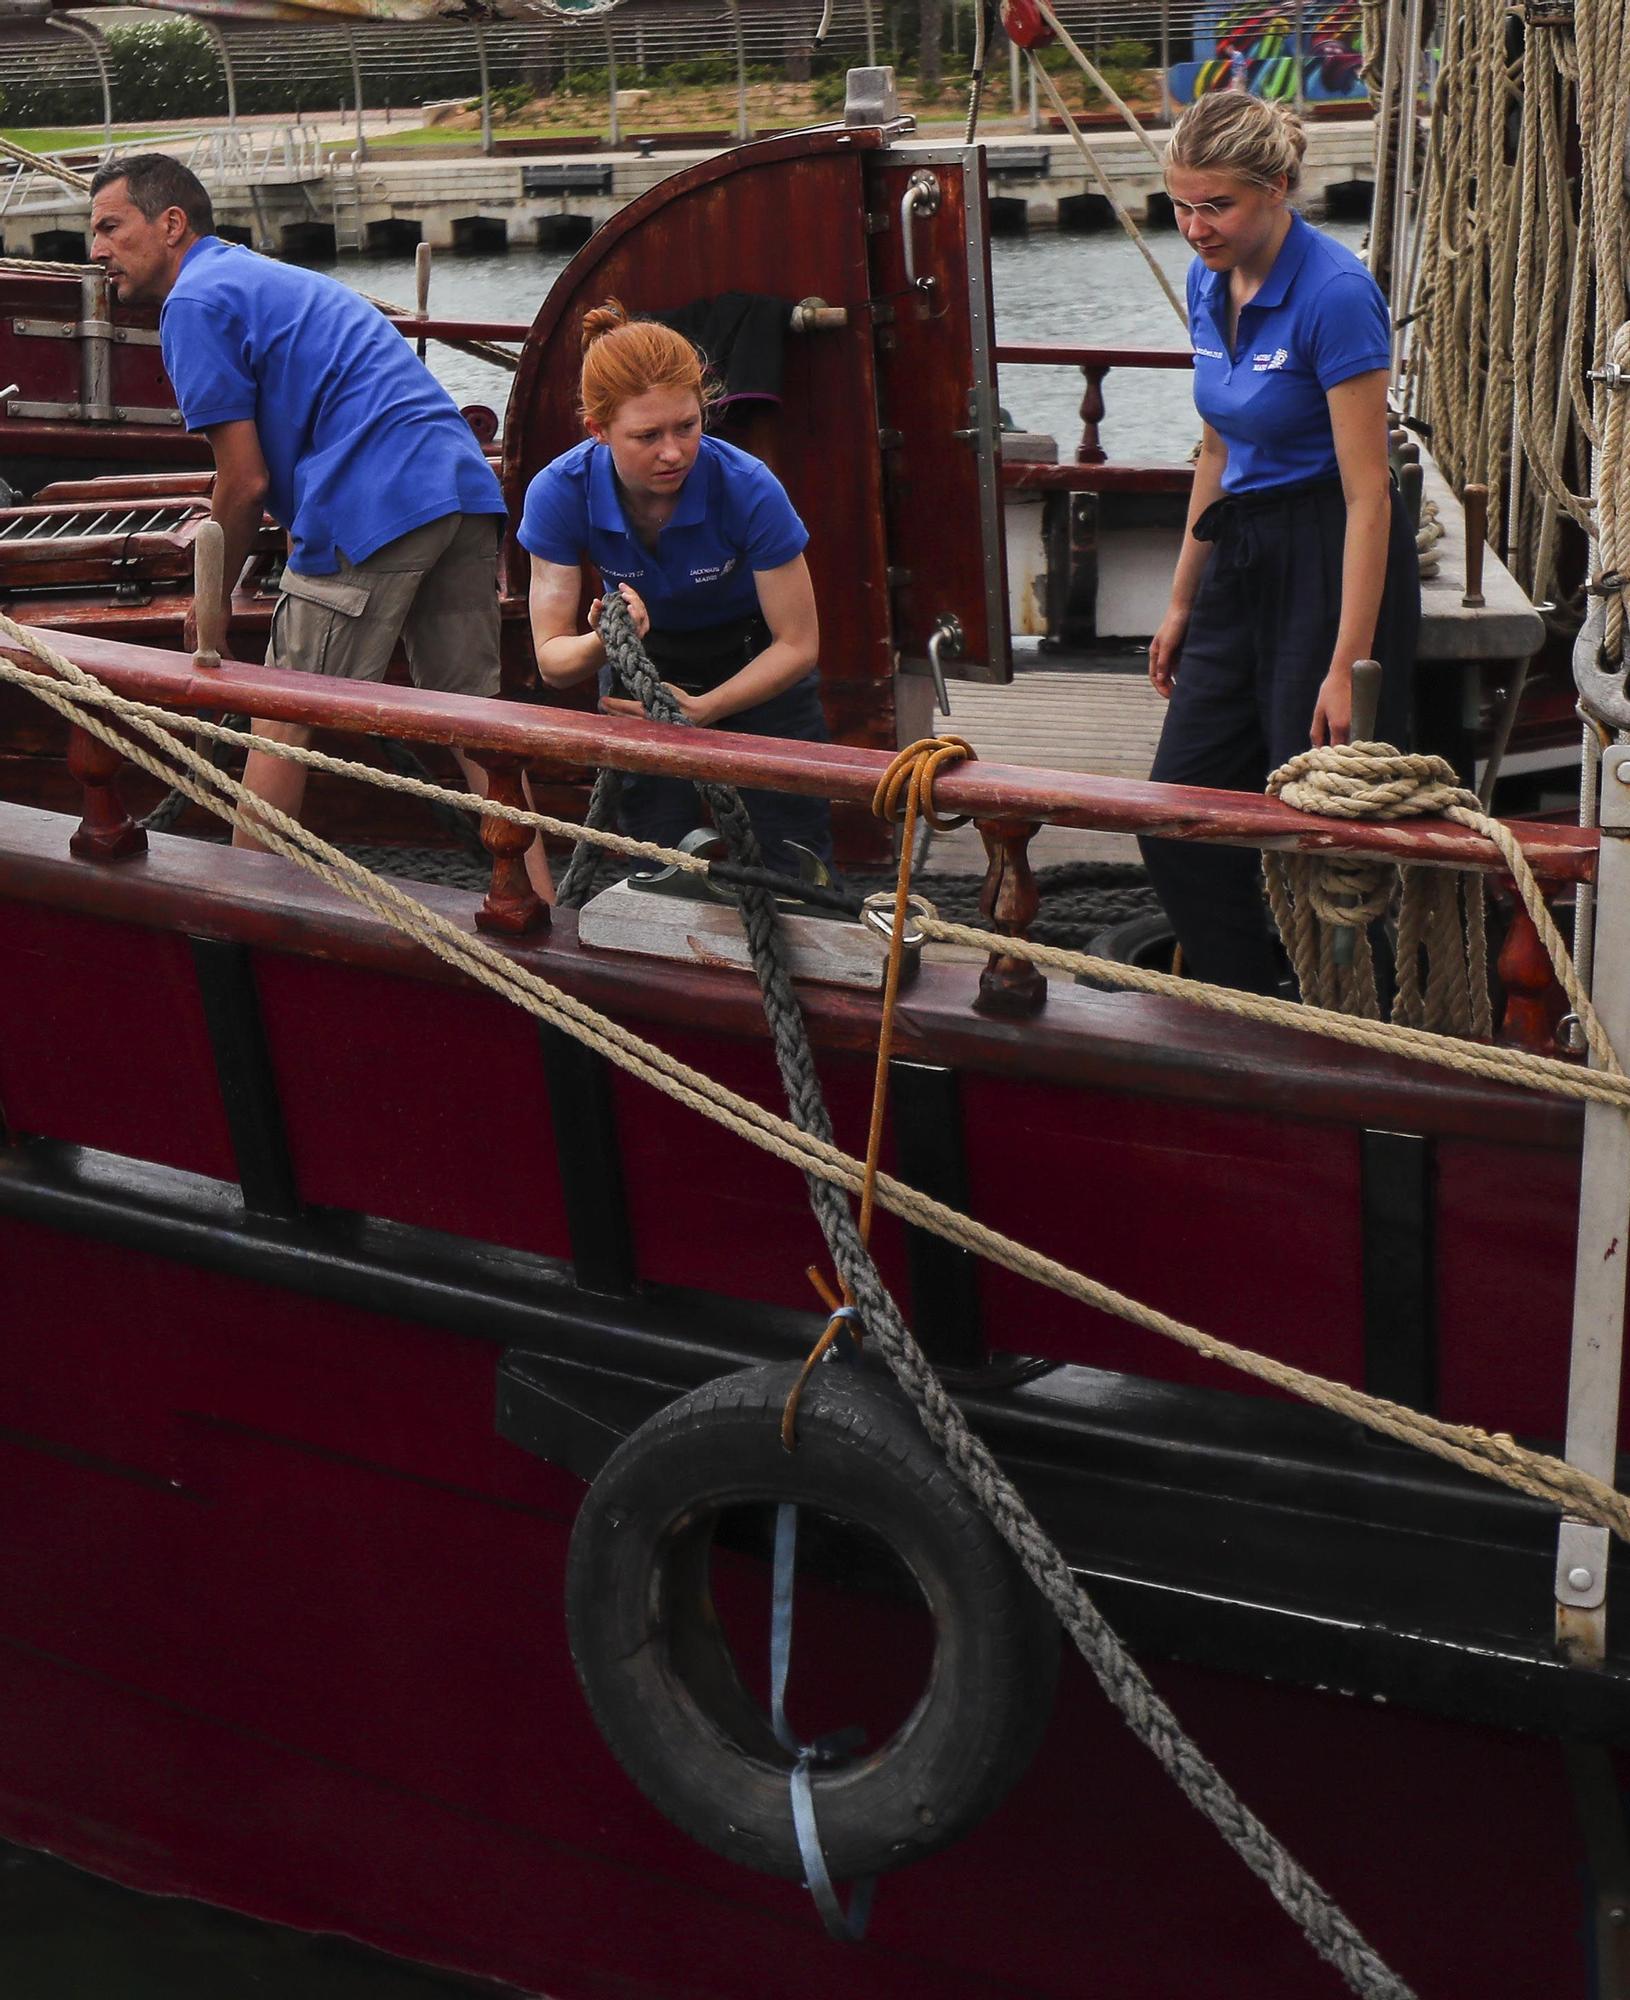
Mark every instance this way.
x=1440 y=918
x=1521 y=303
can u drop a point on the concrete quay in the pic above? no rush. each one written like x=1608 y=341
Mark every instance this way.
x=322 y=205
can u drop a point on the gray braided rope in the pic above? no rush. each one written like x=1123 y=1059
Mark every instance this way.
x=628 y=659
x=175 y=801
x=581 y=875
x=1321 y=1921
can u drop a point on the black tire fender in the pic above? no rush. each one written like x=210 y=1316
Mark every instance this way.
x=1147 y=940
x=658 y=1672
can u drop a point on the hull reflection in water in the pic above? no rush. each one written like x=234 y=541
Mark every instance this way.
x=65 y=1935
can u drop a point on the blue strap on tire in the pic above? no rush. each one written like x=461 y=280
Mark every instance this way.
x=848 y=1927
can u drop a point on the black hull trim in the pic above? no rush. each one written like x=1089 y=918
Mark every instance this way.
x=1229 y=1530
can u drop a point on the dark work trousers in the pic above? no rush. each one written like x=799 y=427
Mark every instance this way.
x=1259 y=643
x=666 y=809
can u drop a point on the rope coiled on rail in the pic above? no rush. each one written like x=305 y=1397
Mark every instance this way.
x=1440 y=911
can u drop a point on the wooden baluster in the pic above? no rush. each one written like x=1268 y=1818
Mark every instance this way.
x=1476 y=502
x=1008 y=902
x=1534 y=1002
x=107 y=832
x=1090 y=451
x=210 y=597
x=511 y=907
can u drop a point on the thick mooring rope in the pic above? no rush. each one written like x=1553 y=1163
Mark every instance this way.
x=42 y=163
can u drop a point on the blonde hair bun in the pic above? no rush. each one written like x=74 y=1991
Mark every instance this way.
x=1295 y=130
x=1231 y=132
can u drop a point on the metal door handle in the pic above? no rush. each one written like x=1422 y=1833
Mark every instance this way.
x=947 y=637
x=922 y=197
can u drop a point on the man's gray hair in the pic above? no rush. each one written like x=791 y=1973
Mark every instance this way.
x=156 y=182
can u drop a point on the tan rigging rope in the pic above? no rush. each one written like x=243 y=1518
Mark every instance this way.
x=904 y=795
x=1510 y=1066
x=1096 y=167
x=1521 y=296
x=42 y=163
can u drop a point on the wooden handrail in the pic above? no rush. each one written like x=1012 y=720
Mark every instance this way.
x=1027 y=354
x=1046 y=354
x=836 y=771
x=433 y=327
x=1026 y=476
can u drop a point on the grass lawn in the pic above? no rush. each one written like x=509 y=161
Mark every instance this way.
x=43 y=139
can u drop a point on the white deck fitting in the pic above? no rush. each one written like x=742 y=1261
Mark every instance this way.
x=1106 y=724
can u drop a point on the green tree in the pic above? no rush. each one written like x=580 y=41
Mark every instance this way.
x=930 y=34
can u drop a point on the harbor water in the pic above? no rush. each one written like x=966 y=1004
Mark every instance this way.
x=1082 y=290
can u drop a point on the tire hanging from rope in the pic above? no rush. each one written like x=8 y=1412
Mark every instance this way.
x=1322 y=1923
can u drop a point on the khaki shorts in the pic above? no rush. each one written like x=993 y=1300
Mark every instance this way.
x=435 y=589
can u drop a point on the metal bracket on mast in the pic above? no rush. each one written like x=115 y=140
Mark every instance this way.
x=1604 y=692
x=1603 y=1250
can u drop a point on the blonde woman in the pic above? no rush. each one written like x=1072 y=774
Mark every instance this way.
x=1298 y=557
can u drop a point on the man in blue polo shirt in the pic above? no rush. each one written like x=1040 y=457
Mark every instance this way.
x=317 y=409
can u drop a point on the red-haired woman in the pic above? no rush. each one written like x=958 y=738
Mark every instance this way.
x=704 y=544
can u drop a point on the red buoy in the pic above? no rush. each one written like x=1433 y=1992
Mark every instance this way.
x=1025 y=27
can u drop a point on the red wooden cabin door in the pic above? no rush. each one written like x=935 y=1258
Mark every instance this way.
x=938 y=415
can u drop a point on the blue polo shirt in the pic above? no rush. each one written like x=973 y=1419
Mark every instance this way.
x=732 y=518
x=1318 y=319
x=361 y=442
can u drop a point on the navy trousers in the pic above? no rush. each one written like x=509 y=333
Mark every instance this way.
x=666 y=809
x=1258 y=646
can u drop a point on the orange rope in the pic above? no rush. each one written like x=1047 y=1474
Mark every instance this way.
x=905 y=794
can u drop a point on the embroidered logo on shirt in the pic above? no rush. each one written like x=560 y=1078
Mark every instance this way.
x=1209 y=353
x=1261 y=364
x=714 y=574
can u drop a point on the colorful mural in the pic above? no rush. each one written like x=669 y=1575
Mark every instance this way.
x=1257 y=48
